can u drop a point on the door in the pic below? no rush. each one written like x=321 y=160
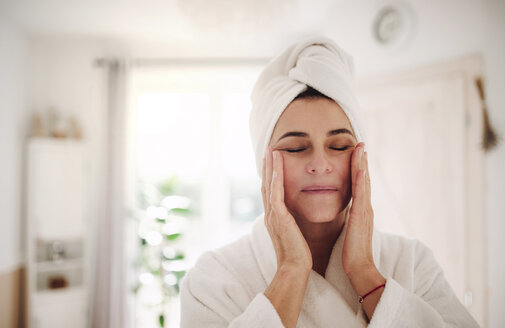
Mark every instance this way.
x=426 y=167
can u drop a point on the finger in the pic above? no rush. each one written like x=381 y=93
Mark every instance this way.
x=359 y=188
x=277 y=188
x=368 y=208
x=361 y=157
x=354 y=156
x=367 y=178
x=356 y=165
x=359 y=192
x=263 y=187
x=268 y=174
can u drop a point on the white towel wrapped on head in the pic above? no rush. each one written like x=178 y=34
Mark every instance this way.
x=316 y=62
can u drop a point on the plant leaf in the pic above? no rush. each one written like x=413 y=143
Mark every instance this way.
x=168 y=186
x=173 y=236
x=180 y=210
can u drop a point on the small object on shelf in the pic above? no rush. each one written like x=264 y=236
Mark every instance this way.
x=52 y=117
x=57 y=251
x=56 y=282
x=38 y=126
x=57 y=127
x=60 y=129
x=53 y=125
x=75 y=130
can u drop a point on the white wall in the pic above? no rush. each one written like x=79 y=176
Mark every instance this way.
x=13 y=125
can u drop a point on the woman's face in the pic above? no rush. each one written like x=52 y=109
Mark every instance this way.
x=316 y=140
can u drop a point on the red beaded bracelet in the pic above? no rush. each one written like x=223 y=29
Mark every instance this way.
x=362 y=298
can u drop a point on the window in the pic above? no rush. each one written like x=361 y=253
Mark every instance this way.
x=189 y=135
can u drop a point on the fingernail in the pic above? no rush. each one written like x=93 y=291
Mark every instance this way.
x=275 y=154
x=360 y=152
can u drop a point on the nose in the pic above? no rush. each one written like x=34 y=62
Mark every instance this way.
x=319 y=163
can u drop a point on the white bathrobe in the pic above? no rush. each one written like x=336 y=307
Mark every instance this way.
x=225 y=288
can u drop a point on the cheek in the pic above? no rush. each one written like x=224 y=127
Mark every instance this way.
x=343 y=169
x=345 y=164
x=293 y=170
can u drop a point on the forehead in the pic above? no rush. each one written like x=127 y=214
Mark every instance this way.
x=312 y=116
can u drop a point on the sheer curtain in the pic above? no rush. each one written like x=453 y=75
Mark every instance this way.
x=109 y=282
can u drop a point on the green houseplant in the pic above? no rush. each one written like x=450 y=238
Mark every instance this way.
x=160 y=264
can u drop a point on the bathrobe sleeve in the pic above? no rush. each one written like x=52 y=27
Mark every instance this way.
x=430 y=303
x=212 y=296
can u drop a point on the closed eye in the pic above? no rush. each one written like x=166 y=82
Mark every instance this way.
x=295 y=150
x=340 y=149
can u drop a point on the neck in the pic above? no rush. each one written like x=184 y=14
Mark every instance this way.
x=321 y=238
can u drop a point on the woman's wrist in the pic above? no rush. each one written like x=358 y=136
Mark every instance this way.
x=366 y=279
x=365 y=283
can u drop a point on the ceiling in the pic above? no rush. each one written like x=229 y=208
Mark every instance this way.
x=203 y=27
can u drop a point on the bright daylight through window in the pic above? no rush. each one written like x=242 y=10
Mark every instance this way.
x=196 y=186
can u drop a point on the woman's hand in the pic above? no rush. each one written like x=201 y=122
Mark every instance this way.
x=357 y=252
x=357 y=255
x=290 y=246
x=294 y=260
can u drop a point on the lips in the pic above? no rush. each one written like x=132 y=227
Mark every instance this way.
x=319 y=189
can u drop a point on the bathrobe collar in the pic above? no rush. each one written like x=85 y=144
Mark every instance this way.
x=322 y=292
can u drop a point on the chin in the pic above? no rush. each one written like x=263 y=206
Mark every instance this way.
x=319 y=214
x=317 y=210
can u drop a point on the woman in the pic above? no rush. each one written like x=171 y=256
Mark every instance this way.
x=314 y=258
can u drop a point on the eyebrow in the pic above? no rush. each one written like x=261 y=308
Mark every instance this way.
x=305 y=135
